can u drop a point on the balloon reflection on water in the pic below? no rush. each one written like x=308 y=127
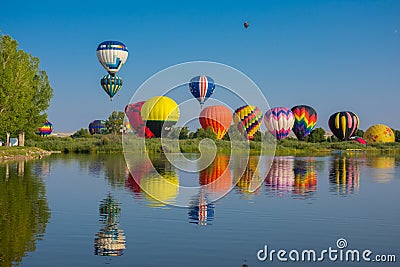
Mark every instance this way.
x=344 y=175
x=247 y=177
x=110 y=240
x=216 y=179
x=280 y=178
x=382 y=168
x=200 y=211
x=305 y=177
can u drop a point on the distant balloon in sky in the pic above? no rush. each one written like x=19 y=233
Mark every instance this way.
x=46 y=129
x=305 y=119
x=248 y=120
x=160 y=113
x=202 y=87
x=279 y=122
x=219 y=118
x=97 y=127
x=133 y=112
x=111 y=84
x=343 y=124
x=246 y=24
x=112 y=55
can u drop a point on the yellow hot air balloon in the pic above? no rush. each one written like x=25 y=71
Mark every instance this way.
x=379 y=133
x=160 y=190
x=160 y=113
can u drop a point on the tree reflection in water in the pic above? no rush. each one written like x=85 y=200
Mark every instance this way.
x=24 y=212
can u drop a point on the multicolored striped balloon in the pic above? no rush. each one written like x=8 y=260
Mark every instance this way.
x=202 y=87
x=46 y=129
x=279 y=122
x=97 y=127
x=133 y=112
x=112 y=55
x=248 y=120
x=111 y=84
x=305 y=119
x=343 y=124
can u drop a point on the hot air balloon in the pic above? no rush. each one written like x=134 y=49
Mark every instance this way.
x=248 y=120
x=160 y=113
x=343 y=124
x=379 y=133
x=133 y=112
x=219 y=118
x=112 y=55
x=246 y=24
x=46 y=129
x=279 y=122
x=202 y=87
x=111 y=84
x=305 y=118
x=97 y=127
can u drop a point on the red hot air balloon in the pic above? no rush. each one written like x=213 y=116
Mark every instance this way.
x=219 y=118
x=133 y=112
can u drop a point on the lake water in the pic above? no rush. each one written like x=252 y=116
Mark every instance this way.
x=87 y=210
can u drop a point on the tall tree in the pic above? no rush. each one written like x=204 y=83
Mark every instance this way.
x=115 y=122
x=25 y=91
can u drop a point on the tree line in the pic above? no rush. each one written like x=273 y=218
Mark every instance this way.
x=25 y=92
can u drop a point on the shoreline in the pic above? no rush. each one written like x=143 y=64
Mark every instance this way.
x=23 y=153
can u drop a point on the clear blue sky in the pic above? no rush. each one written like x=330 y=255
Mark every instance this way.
x=332 y=55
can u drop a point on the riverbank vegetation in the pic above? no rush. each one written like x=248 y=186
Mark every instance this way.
x=83 y=143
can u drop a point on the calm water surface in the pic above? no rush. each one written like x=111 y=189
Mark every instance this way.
x=87 y=210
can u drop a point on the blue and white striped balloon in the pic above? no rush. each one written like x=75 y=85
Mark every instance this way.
x=112 y=55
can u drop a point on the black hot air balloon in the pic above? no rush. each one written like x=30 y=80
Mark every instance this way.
x=246 y=24
x=343 y=124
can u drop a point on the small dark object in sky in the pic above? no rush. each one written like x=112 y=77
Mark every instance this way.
x=246 y=24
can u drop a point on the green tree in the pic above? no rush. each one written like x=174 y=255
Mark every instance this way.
x=257 y=136
x=208 y=133
x=317 y=136
x=83 y=132
x=359 y=133
x=25 y=91
x=397 y=135
x=115 y=122
x=184 y=133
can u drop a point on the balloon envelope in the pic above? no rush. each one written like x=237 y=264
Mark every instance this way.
x=379 y=133
x=46 y=129
x=111 y=84
x=246 y=24
x=248 y=120
x=279 y=122
x=343 y=124
x=133 y=112
x=97 y=127
x=202 y=87
x=305 y=119
x=160 y=113
x=219 y=118
x=112 y=55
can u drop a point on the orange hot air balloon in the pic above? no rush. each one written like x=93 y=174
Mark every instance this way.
x=219 y=118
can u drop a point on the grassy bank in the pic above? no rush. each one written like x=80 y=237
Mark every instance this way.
x=113 y=144
x=20 y=153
